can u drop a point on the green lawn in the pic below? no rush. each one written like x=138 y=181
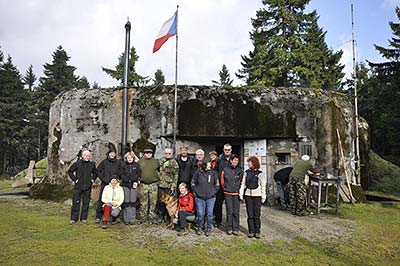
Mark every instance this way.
x=37 y=233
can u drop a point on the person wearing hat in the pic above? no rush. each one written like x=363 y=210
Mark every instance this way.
x=108 y=169
x=112 y=199
x=149 y=186
x=205 y=185
x=297 y=186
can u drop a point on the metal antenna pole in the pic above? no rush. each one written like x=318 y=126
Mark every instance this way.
x=176 y=82
x=357 y=157
x=125 y=84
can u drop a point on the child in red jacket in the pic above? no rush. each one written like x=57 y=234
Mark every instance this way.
x=185 y=208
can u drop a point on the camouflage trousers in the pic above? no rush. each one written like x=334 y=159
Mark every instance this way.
x=148 y=201
x=297 y=196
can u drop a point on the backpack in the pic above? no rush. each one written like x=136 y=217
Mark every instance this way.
x=252 y=179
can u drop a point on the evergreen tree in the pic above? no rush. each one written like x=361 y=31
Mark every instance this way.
x=224 y=77
x=96 y=86
x=29 y=78
x=285 y=40
x=159 y=78
x=321 y=65
x=13 y=123
x=134 y=79
x=58 y=77
x=82 y=83
x=382 y=96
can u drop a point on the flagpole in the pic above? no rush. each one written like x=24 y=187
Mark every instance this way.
x=176 y=82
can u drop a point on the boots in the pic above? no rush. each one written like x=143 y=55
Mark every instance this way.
x=184 y=231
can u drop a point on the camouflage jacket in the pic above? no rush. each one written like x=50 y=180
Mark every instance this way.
x=169 y=170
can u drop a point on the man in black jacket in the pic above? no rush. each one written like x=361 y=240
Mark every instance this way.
x=223 y=161
x=108 y=169
x=186 y=165
x=83 y=173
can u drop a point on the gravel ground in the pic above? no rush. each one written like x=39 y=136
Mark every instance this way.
x=275 y=225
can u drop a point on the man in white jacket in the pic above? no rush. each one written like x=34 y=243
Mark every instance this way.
x=112 y=198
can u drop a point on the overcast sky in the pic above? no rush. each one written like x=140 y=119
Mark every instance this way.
x=211 y=33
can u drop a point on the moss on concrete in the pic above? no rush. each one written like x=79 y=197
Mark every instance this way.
x=234 y=115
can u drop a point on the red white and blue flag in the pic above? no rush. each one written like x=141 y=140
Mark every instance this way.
x=167 y=30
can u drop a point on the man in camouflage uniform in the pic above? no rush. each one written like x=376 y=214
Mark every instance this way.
x=169 y=171
x=297 y=186
x=148 y=187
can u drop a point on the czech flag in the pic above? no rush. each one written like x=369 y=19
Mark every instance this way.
x=168 y=29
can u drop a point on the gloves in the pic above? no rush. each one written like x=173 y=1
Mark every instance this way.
x=135 y=185
x=263 y=200
x=241 y=197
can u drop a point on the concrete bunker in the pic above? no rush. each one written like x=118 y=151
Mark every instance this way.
x=278 y=125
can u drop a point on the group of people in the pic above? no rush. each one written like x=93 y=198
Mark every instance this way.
x=201 y=184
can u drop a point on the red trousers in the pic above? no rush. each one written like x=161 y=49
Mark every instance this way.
x=106 y=213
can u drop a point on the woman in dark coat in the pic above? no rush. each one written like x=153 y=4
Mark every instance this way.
x=130 y=183
x=205 y=185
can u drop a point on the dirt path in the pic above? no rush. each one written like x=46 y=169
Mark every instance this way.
x=276 y=225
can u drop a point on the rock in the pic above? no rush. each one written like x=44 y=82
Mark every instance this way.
x=68 y=202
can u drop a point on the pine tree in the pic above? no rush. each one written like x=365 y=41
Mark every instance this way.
x=224 y=77
x=284 y=39
x=96 y=85
x=58 y=77
x=82 y=83
x=321 y=65
x=383 y=96
x=29 y=78
x=275 y=60
x=159 y=78
x=134 y=79
x=13 y=120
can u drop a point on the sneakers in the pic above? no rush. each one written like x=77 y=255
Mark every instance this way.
x=84 y=221
x=208 y=232
x=229 y=232
x=98 y=220
x=72 y=222
x=250 y=235
x=199 y=231
x=235 y=233
x=257 y=235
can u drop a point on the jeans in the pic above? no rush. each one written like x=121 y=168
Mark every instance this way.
x=205 y=207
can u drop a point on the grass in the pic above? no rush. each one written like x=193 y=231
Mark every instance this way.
x=5 y=186
x=385 y=176
x=36 y=232
x=5 y=183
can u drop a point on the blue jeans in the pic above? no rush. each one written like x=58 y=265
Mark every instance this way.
x=202 y=207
